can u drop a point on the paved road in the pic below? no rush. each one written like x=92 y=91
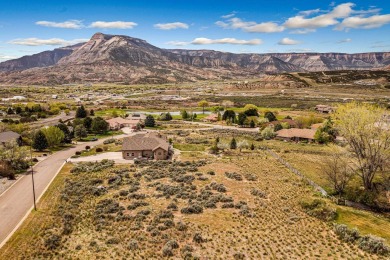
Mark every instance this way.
x=16 y=202
x=53 y=120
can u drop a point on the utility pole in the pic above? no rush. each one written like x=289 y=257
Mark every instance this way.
x=32 y=179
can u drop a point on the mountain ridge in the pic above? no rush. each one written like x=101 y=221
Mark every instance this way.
x=120 y=58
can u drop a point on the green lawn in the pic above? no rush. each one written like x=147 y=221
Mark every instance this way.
x=366 y=222
x=190 y=147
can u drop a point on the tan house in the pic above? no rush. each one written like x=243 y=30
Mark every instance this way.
x=211 y=118
x=119 y=122
x=325 y=109
x=150 y=145
x=296 y=134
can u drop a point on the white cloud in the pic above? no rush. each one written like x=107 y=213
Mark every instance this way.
x=6 y=57
x=253 y=27
x=113 y=25
x=205 y=41
x=202 y=41
x=303 y=31
x=288 y=41
x=228 y=15
x=324 y=20
x=71 y=24
x=177 y=43
x=358 y=22
x=309 y=12
x=170 y=26
x=41 y=42
x=345 y=40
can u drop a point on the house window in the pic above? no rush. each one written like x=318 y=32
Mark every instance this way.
x=132 y=154
x=128 y=154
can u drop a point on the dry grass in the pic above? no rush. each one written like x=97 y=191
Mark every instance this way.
x=276 y=226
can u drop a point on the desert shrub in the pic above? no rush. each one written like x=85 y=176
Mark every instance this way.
x=250 y=177
x=346 y=234
x=172 y=206
x=192 y=209
x=181 y=226
x=227 y=205
x=137 y=204
x=92 y=166
x=186 y=251
x=218 y=187
x=99 y=150
x=87 y=147
x=77 y=153
x=259 y=193
x=374 y=244
x=234 y=176
x=211 y=172
x=239 y=256
x=167 y=250
x=109 y=141
x=113 y=241
x=197 y=238
x=320 y=209
x=52 y=242
x=133 y=244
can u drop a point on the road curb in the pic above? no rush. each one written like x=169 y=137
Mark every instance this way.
x=32 y=207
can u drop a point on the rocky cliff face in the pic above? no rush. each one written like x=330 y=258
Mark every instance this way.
x=43 y=59
x=118 y=58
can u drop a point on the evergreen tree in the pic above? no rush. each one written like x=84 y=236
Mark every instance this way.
x=241 y=119
x=233 y=143
x=80 y=132
x=252 y=124
x=87 y=122
x=184 y=114
x=99 y=125
x=270 y=116
x=278 y=127
x=81 y=112
x=39 y=141
x=92 y=112
x=10 y=111
x=149 y=121
x=252 y=147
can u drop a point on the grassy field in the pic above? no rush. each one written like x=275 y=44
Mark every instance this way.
x=182 y=209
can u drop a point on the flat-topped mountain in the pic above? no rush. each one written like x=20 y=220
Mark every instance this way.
x=119 y=58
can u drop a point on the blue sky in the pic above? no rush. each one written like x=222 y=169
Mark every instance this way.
x=28 y=27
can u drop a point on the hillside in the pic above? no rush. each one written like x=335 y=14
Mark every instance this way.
x=123 y=59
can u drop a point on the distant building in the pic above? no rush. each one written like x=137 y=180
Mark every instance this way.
x=325 y=109
x=9 y=136
x=136 y=116
x=119 y=122
x=150 y=146
x=296 y=134
x=211 y=118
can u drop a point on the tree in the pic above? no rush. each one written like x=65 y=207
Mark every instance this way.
x=10 y=111
x=252 y=147
x=54 y=135
x=99 y=125
x=233 y=143
x=270 y=116
x=251 y=110
x=67 y=133
x=268 y=133
x=241 y=119
x=326 y=133
x=80 y=132
x=278 y=127
x=184 y=114
x=81 y=112
x=18 y=110
x=92 y=112
x=229 y=115
x=149 y=121
x=165 y=117
x=337 y=170
x=203 y=104
x=365 y=129
x=242 y=145
x=87 y=122
x=252 y=124
x=39 y=141
x=14 y=156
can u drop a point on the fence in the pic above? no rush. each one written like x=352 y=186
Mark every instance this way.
x=291 y=168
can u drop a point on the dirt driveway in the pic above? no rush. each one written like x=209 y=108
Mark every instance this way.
x=116 y=156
